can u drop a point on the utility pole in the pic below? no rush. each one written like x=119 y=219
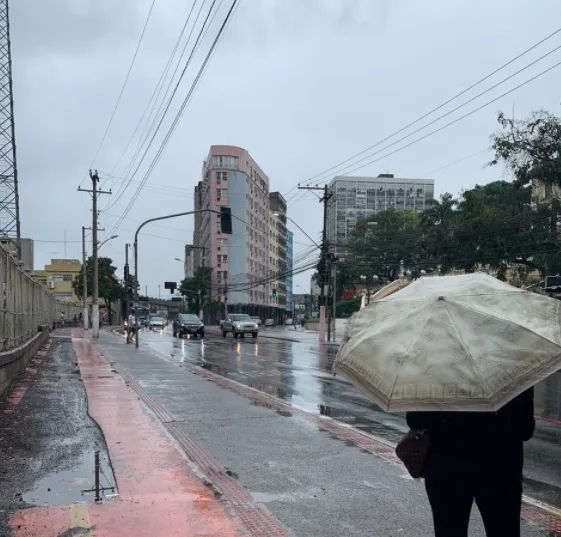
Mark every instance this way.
x=126 y=277
x=85 y=320
x=324 y=260
x=95 y=283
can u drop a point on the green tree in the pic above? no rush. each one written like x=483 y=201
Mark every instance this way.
x=197 y=289
x=530 y=148
x=110 y=289
x=382 y=242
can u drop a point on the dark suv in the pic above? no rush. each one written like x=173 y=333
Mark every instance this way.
x=188 y=323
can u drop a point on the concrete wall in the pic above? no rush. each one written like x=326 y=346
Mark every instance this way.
x=14 y=361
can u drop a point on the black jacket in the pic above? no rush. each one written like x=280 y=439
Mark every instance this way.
x=480 y=432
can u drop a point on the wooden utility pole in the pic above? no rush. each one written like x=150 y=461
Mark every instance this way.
x=95 y=283
x=85 y=320
x=324 y=259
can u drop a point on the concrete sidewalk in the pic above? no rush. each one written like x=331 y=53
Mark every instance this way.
x=159 y=492
x=284 y=471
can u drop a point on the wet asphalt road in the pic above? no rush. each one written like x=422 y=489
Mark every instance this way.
x=300 y=373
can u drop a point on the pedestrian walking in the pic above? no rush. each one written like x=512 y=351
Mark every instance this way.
x=62 y=319
x=131 y=326
x=476 y=456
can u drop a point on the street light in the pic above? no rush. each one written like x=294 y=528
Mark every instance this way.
x=277 y=214
x=107 y=240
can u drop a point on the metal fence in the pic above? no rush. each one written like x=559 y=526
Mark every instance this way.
x=25 y=304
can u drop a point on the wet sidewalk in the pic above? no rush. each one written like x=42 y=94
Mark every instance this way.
x=282 y=470
x=47 y=434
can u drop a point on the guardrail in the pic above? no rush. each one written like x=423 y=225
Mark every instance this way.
x=25 y=305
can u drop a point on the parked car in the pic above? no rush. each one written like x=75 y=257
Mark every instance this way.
x=188 y=323
x=157 y=323
x=239 y=324
x=257 y=320
x=269 y=322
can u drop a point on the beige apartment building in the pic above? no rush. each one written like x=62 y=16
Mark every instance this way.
x=57 y=277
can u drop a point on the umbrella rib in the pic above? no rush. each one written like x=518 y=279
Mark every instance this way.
x=481 y=379
x=407 y=351
x=519 y=326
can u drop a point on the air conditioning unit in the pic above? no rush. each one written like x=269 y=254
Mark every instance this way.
x=51 y=285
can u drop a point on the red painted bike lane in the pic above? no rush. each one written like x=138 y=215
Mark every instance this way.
x=158 y=494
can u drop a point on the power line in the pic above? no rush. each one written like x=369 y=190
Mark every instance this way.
x=311 y=179
x=431 y=133
x=158 y=89
x=157 y=123
x=124 y=83
x=179 y=114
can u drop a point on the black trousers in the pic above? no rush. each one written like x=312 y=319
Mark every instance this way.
x=454 y=480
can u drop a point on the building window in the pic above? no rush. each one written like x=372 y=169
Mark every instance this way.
x=222 y=258
x=222 y=242
x=62 y=277
x=221 y=192
x=225 y=162
x=221 y=176
x=64 y=297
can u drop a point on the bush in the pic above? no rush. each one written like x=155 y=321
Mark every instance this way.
x=345 y=308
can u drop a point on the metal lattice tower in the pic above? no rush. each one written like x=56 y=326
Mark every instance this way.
x=9 y=198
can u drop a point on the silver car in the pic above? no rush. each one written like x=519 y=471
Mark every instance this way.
x=239 y=324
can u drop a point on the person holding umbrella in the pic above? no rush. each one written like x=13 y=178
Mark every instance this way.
x=460 y=355
x=476 y=456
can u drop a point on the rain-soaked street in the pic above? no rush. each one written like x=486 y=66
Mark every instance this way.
x=300 y=373
x=218 y=437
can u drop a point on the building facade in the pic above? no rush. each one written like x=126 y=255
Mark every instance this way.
x=289 y=277
x=240 y=261
x=544 y=193
x=355 y=198
x=57 y=277
x=277 y=255
x=189 y=262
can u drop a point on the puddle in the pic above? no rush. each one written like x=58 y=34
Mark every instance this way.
x=67 y=486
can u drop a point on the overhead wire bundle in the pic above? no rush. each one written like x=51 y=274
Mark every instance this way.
x=357 y=161
x=155 y=114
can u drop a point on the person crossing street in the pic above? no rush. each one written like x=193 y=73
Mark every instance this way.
x=131 y=326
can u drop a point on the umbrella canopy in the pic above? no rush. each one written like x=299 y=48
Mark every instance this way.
x=452 y=343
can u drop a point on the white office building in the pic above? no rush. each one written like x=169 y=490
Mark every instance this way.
x=355 y=198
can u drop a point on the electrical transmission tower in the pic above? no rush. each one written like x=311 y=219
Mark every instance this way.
x=9 y=198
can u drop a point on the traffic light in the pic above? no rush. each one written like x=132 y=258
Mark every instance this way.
x=274 y=293
x=226 y=220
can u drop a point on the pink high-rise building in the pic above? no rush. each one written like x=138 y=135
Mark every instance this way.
x=240 y=261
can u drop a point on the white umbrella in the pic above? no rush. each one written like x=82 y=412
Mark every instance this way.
x=452 y=343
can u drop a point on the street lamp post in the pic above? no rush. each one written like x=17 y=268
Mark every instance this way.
x=167 y=217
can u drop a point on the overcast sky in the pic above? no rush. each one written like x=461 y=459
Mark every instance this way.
x=302 y=84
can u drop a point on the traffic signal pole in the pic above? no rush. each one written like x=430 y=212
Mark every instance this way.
x=226 y=227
